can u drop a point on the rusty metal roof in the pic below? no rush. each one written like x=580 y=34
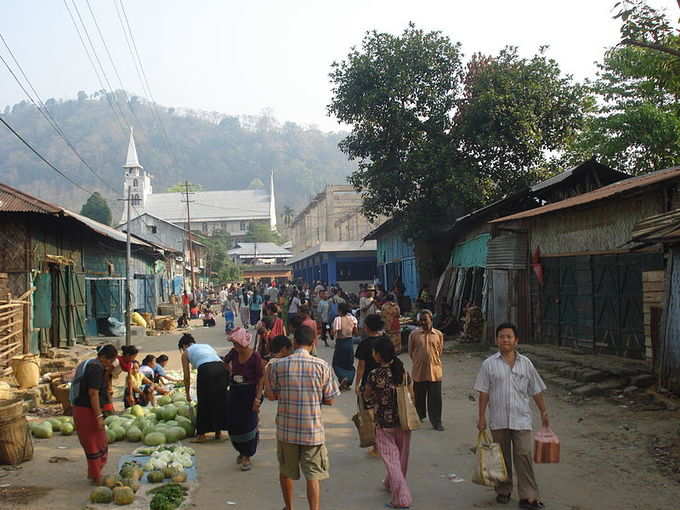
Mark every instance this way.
x=598 y=194
x=13 y=200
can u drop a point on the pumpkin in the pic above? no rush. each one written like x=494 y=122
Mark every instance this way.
x=101 y=495
x=133 y=484
x=179 y=477
x=123 y=495
x=110 y=481
x=155 y=476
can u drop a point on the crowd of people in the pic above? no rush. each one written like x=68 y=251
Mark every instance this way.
x=275 y=332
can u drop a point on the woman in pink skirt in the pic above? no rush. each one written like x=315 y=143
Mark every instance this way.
x=391 y=441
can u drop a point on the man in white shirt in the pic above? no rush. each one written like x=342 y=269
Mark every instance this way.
x=367 y=306
x=507 y=382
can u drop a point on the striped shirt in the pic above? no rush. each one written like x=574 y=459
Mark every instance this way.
x=510 y=390
x=301 y=382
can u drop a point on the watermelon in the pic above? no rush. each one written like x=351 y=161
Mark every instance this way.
x=119 y=431
x=110 y=436
x=67 y=429
x=164 y=400
x=133 y=434
x=110 y=420
x=56 y=424
x=154 y=439
x=168 y=412
x=42 y=430
x=174 y=434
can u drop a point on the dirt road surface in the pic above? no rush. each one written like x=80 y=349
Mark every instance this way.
x=605 y=460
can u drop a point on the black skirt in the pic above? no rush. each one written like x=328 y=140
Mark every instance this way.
x=211 y=387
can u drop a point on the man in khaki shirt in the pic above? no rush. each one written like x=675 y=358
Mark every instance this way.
x=425 y=346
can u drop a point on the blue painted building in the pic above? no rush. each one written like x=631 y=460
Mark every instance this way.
x=344 y=263
x=396 y=258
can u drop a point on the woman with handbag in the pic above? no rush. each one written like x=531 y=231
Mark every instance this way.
x=391 y=436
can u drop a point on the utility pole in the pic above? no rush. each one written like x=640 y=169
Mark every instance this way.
x=128 y=279
x=191 y=242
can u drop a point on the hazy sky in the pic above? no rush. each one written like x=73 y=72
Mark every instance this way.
x=243 y=57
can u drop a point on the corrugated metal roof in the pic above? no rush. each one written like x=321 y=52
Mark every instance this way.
x=13 y=200
x=330 y=246
x=599 y=194
x=263 y=250
x=247 y=204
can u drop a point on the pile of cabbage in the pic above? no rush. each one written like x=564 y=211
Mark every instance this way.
x=47 y=428
x=171 y=421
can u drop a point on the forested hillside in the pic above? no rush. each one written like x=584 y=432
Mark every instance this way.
x=210 y=149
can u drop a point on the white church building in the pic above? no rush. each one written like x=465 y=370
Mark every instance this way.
x=230 y=211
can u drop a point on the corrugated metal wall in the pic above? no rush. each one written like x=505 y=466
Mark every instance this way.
x=669 y=353
x=471 y=253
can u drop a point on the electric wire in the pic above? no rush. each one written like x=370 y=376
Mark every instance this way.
x=44 y=111
x=27 y=144
x=111 y=61
x=94 y=67
x=99 y=62
x=139 y=66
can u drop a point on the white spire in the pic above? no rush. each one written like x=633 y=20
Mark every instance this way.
x=272 y=203
x=132 y=159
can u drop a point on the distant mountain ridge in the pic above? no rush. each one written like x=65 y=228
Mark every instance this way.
x=217 y=151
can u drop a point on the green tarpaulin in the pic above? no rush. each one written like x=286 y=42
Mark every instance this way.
x=42 y=301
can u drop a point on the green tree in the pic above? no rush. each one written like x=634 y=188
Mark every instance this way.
x=434 y=139
x=514 y=116
x=398 y=94
x=97 y=209
x=230 y=272
x=634 y=121
x=261 y=233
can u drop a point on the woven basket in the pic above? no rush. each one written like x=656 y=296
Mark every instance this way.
x=16 y=445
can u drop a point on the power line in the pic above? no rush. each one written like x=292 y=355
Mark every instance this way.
x=94 y=67
x=44 y=111
x=113 y=64
x=132 y=46
x=42 y=157
x=101 y=67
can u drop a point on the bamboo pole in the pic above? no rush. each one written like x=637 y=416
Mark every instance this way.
x=6 y=350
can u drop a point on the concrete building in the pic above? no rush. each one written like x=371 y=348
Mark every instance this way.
x=259 y=253
x=316 y=223
x=229 y=211
x=328 y=240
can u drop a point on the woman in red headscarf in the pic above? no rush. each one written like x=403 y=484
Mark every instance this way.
x=247 y=381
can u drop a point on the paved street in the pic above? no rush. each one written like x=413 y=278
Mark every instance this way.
x=604 y=455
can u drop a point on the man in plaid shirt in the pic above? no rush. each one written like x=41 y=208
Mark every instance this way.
x=301 y=383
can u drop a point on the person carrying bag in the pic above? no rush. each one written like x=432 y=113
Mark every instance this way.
x=408 y=415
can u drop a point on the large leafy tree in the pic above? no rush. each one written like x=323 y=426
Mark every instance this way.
x=398 y=94
x=515 y=115
x=634 y=123
x=97 y=208
x=433 y=138
x=261 y=233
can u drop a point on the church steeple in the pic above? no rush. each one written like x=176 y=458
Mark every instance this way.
x=132 y=159
x=272 y=203
x=137 y=181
